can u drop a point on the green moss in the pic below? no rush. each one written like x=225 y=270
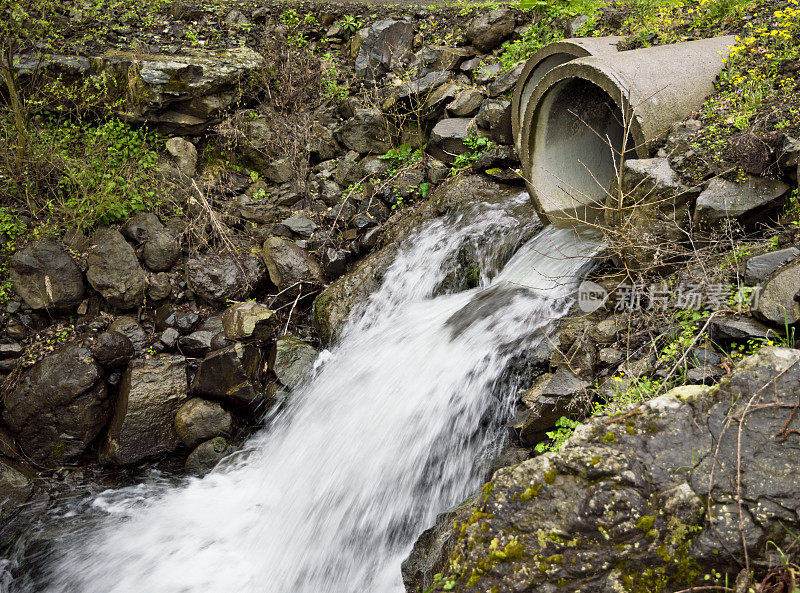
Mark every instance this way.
x=550 y=477
x=595 y=460
x=630 y=427
x=645 y=524
x=609 y=437
x=58 y=450
x=531 y=492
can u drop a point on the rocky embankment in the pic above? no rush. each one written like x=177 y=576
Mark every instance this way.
x=166 y=339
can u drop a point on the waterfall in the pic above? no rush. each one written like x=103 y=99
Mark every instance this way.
x=395 y=426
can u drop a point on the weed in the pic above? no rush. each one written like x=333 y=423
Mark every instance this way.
x=564 y=429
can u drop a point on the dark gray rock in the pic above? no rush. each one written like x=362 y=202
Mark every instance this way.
x=199 y=420
x=150 y=394
x=158 y=286
x=141 y=226
x=46 y=277
x=207 y=455
x=723 y=200
x=435 y=103
x=162 y=250
x=490 y=29
x=776 y=300
x=437 y=58
x=500 y=157
x=16 y=489
x=112 y=349
x=738 y=329
x=173 y=316
x=486 y=73
x=551 y=397
x=225 y=277
x=422 y=87
x=196 y=343
x=288 y=264
x=626 y=499
x=114 y=271
x=466 y=103
x=334 y=262
x=506 y=81
x=249 y=320
x=130 y=328
x=292 y=360
x=280 y=171
x=447 y=139
x=58 y=407
x=300 y=224
x=366 y=132
x=169 y=338
x=231 y=374
x=761 y=266
x=385 y=45
x=11 y=350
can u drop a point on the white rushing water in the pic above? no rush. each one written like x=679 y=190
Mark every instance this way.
x=393 y=428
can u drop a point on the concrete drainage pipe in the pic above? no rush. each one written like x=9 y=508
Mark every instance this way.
x=546 y=59
x=584 y=114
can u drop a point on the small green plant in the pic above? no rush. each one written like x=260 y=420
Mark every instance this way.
x=476 y=146
x=564 y=429
x=349 y=24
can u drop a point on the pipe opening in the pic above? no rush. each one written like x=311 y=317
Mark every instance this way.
x=537 y=74
x=575 y=150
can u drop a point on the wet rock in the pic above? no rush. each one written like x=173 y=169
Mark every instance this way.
x=207 y=455
x=500 y=157
x=169 y=338
x=112 y=349
x=225 y=277
x=384 y=45
x=551 y=397
x=151 y=392
x=231 y=374
x=761 y=266
x=196 y=343
x=185 y=155
x=172 y=316
x=436 y=101
x=490 y=29
x=11 y=350
x=334 y=262
x=437 y=171
x=59 y=406
x=131 y=329
x=466 y=103
x=46 y=277
x=366 y=132
x=777 y=301
x=16 y=489
x=199 y=420
x=506 y=81
x=495 y=116
x=141 y=226
x=114 y=271
x=601 y=514
x=162 y=250
x=322 y=145
x=288 y=264
x=447 y=139
x=292 y=360
x=723 y=200
x=300 y=224
x=249 y=319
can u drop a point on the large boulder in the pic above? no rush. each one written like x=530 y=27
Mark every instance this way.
x=289 y=264
x=292 y=360
x=46 y=277
x=385 y=45
x=207 y=455
x=114 y=271
x=437 y=58
x=185 y=155
x=651 y=499
x=761 y=266
x=199 y=420
x=225 y=277
x=777 y=302
x=723 y=200
x=59 y=406
x=495 y=116
x=178 y=95
x=231 y=374
x=16 y=488
x=113 y=349
x=150 y=394
x=367 y=132
x=141 y=226
x=490 y=29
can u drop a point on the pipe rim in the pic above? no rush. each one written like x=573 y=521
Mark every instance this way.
x=578 y=47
